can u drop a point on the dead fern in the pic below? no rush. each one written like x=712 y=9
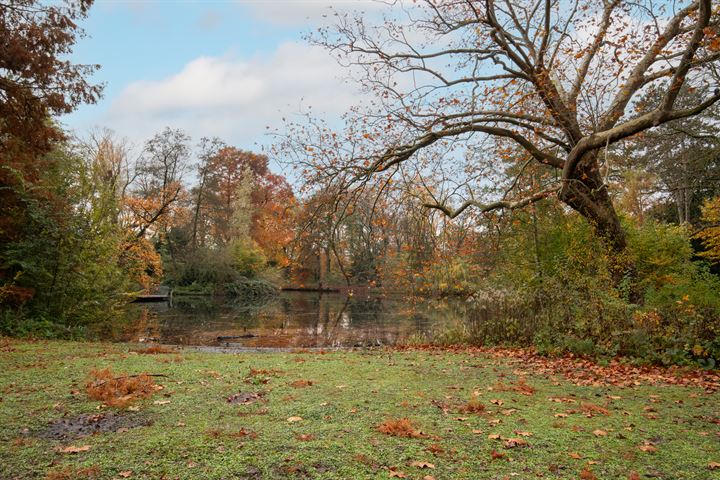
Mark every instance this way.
x=473 y=406
x=119 y=391
x=400 y=428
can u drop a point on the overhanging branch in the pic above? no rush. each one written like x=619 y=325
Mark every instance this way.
x=488 y=207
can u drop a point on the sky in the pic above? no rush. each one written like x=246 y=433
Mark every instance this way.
x=213 y=68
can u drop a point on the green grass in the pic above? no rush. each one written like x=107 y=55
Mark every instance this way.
x=352 y=393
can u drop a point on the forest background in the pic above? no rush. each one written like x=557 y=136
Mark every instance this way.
x=609 y=251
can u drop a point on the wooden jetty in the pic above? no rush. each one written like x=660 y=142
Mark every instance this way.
x=162 y=294
x=152 y=298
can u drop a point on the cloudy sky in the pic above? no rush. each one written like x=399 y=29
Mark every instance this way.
x=214 y=68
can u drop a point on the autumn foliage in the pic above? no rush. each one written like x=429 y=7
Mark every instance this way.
x=710 y=234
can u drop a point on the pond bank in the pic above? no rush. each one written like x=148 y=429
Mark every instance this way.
x=340 y=414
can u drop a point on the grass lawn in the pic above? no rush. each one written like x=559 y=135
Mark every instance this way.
x=324 y=416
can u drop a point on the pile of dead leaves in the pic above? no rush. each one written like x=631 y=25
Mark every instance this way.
x=519 y=387
x=121 y=390
x=586 y=372
x=402 y=427
x=473 y=406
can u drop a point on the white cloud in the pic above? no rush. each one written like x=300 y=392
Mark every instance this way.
x=233 y=98
x=315 y=12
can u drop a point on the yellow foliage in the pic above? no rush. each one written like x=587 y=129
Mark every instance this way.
x=710 y=235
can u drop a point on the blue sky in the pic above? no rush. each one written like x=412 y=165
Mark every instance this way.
x=213 y=68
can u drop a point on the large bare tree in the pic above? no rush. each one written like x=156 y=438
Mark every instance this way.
x=557 y=80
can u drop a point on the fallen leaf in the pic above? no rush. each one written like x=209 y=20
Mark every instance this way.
x=648 y=448
x=422 y=464
x=74 y=449
x=634 y=476
x=294 y=419
x=495 y=455
x=477 y=432
x=591 y=409
x=587 y=474
x=497 y=402
x=575 y=455
x=396 y=473
x=125 y=474
x=714 y=465
x=302 y=383
x=494 y=436
x=600 y=433
x=428 y=477
x=523 y=433
x=305 y=437
x=161 y=402
x=515 y=442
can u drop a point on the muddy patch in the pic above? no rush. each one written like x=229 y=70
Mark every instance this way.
x=91 y=424
x=245 y=398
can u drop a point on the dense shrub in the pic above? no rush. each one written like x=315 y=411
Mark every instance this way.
x=566 y=301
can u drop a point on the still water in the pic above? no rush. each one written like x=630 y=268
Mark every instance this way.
x=291 y=320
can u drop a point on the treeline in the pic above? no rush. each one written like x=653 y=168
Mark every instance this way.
x=586 y=222
x=98 y=225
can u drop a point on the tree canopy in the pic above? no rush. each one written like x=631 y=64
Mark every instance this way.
x=487 y=84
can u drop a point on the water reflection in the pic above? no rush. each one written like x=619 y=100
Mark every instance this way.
x=294 y=319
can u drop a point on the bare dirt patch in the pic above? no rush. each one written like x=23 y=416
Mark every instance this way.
x=245 y=398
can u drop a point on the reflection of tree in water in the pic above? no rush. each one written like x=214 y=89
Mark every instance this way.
x=300 y=319
x=195 y=304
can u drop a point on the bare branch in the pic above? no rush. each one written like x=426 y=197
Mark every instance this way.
x=488 y=207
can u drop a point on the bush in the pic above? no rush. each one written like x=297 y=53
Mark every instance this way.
x=251 y=290
x=203 y=268
x=565 y=302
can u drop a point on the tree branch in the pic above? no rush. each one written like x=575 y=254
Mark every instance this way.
x=487 y=207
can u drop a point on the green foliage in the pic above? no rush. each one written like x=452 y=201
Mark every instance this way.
x=560 y=296
x=202 y=267
x=193 y=289
x=239 y=270
x=248 y=259
x=251 y=289
x=69 y=252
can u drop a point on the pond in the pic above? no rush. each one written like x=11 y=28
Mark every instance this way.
x=291 y=320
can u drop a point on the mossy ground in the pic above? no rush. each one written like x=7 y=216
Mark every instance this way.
x=194 y=431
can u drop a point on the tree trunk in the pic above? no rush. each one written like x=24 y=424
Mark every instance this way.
x=586 y=193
